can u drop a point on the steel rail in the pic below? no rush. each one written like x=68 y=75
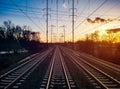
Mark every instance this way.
x=108 y=64
x=83 y=67
x=64 y=72
x=51 y=70
x=21 y=75
x=35 y=63
x=63 y=65
x=19 y=66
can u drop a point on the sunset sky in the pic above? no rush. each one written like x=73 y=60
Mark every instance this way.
x=90 y=15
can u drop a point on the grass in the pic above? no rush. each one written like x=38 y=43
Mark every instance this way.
x=7 y=60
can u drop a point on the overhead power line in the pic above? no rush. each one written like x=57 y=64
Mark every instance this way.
x=100 y=25
x=25 y=14
x=30 y=12
x=29 y=7
x=91 y=29
x=91 y=14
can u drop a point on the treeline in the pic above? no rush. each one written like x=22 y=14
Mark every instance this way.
x=104 y=49
x=15 y=37
x=104 y=45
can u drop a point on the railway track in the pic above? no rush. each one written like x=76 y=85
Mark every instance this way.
x=57 y=75
x=98 y=78
x=14 y=78
x=111 y=66
x=107 y=66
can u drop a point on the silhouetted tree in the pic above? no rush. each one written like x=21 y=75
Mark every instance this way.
x=17 y=36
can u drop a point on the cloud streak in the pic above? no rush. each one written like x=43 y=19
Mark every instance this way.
x=99 y=20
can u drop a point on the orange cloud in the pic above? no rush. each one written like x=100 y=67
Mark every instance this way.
x=99 y=20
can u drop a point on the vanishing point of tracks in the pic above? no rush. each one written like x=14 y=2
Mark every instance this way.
x=57 y=75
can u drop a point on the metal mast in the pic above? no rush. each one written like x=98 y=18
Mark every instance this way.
x=47 y=21
x=52 y=31
x=57 y=19
x=64 y=31
x=73 y=20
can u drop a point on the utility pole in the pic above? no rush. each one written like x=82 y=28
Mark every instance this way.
x=57 y=18
x=47 y=14
x=64 y=31
x=73 y=15
x=47 y=21
x=61 y=37
x=51 y=31
x=54 y=36
x=73 y=21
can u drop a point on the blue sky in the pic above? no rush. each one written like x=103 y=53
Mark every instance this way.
x=34 y=9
